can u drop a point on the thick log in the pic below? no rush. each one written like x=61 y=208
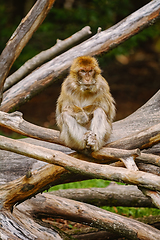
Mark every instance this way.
x=113 y=195
x=21 y=36
x=47 y=205
x=18 y=226
x=101 y=42
x=15 y=165
x=30 y=185
x=142 y=139
x=145 y=117
x=15 y=122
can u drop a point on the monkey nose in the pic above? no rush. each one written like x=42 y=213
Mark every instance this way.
x=88 y=80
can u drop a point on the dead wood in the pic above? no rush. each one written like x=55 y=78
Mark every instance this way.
x=20 y=225
x=28 y=161
x=128 y=133
x=146 y=116
x=112 y=195
x=149 y=158
x=46 y=55
x=148 y=168
x=92 y=235
x=30 y=186
x=101 y=42
x=15 y=165
x=142 y=139
x=15 y=122
x=21 y=36
x=46 y=205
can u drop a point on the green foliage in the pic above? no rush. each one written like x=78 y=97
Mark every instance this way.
x=62 y=23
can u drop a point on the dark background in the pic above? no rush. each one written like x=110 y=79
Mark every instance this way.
x=132 y=69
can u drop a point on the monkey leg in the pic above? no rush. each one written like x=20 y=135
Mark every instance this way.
x=100 y=127
x=72 y=133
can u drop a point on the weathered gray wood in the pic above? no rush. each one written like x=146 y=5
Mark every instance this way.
x=146 y=116
x=15 y=122
x=93 y=170
x=46 y=204
x=101 y=42
x=45 y=56
x=112 y=195
x=18 y=225
x=13 y=165
x=21 y=36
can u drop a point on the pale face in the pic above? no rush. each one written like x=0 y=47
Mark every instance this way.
x=86 y=78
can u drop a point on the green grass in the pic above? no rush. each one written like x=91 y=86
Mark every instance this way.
x=83 y=184
x=133 y=211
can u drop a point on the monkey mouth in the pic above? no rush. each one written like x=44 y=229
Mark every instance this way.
x=87 y=87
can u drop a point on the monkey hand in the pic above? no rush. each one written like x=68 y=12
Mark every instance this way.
x=82 y=118
x=91 y=141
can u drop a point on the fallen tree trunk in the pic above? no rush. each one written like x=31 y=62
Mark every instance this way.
x=21 y=226
x=112 y=195
x=46 y=205
x=28 y=186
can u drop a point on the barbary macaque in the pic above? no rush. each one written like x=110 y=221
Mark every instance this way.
x=85 y=108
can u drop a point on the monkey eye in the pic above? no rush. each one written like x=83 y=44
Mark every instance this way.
x=82 y=71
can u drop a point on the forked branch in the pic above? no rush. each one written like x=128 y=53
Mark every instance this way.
x=21 y=36
x=45 y=56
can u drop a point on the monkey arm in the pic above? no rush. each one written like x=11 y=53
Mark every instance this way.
x=89 y=110
x=78 y=113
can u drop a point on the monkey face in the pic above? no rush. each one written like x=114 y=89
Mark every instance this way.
x=86 y=78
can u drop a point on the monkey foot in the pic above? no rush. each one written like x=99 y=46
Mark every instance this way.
x=91 y=141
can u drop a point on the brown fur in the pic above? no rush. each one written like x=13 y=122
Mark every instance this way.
x=85 y=105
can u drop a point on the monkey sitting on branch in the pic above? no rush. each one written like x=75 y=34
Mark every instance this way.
x=85 y=107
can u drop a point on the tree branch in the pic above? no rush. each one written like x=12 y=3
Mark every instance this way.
x=101 y=42
x=143 y=139
x=46 y=205
x=21 y=36
x=46 y=55
x=16 y=123
x=91 y=170
x=18 y=225
x=112 y=195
